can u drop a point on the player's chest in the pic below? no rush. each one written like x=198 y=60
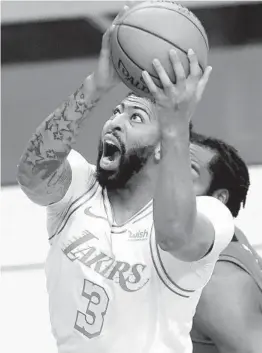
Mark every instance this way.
x=90 y=217
x=90 y=230
x=132 y=241
x=120 y=254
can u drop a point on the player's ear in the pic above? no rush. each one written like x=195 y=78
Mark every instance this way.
x=158 y=152
x=222 y=195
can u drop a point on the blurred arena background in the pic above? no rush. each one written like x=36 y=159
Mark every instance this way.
x=48 y=47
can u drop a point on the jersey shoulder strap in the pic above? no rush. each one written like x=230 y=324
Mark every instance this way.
x=241 y=253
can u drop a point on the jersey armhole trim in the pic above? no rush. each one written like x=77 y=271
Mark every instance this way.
x=67 y=215
x=233 y=260
x=202 y=341
x=257 y=278
x=160 y=269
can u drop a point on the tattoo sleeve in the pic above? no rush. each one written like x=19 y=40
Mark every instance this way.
x=53 y=140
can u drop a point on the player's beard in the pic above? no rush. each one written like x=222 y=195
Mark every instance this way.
x=131 y=162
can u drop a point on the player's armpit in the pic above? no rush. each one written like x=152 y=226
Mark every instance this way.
x=229 y=312
x=222 y=223
x=213 y=230
x=51 y=186
x=201 y=241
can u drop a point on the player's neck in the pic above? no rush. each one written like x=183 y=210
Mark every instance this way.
x=126 y=202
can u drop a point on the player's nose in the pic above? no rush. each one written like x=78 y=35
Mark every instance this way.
x=118 y=121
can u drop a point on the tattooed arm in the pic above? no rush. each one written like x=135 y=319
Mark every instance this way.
x=43 y=170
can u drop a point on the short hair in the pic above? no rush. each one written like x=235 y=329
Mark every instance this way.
x=228 y=171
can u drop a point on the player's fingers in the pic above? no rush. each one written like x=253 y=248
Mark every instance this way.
x=106 y=41
x=121 y=14
x=163 y=76
x=203 y=82
x=195 y=70
x=107 y=34
x=153 y=89
x=178 y=70
x=130 y=3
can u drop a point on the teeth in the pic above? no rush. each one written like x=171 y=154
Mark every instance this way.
x=110 y=143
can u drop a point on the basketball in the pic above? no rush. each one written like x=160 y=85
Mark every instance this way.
x=148 y=31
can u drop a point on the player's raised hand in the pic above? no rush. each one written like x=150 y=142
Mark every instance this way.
x=179 y=99
x=105 y=76
x=131 y=3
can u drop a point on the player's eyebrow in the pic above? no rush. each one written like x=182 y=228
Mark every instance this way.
x=123 y=105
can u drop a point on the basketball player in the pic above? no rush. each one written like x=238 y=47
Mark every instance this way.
x=229 y=314
x=131 y=246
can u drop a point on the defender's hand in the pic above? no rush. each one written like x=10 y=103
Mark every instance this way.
x=177 y=102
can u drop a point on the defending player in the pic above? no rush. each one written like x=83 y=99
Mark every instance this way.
x=229 y=314
x=131 y=246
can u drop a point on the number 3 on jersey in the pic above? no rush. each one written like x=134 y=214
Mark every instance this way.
x=91 y=322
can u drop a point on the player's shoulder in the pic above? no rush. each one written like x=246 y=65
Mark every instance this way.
x=228 y=271
x=231 y=295
x=83 y=179
x=83 y=172
x=78 y=162
x=229 y=282
x=83 y=187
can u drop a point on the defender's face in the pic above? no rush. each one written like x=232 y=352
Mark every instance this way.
x=201 y=156
x=128 y=140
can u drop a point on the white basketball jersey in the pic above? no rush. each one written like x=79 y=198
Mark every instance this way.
x=111 y=288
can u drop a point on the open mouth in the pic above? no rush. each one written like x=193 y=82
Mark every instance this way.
x=111 y=151
x=111 y=155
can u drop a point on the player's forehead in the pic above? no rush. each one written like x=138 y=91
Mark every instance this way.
x=136 y=102
x=200 y=154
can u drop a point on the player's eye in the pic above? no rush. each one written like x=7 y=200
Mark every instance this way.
x=116 y=111
x=136 y=118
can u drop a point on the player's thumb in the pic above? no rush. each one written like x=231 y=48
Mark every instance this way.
x=106 y=41
x=120 y=14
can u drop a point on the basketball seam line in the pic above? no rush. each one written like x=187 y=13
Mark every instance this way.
x=153 y=34
x=160 y=7
x=132 y=59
